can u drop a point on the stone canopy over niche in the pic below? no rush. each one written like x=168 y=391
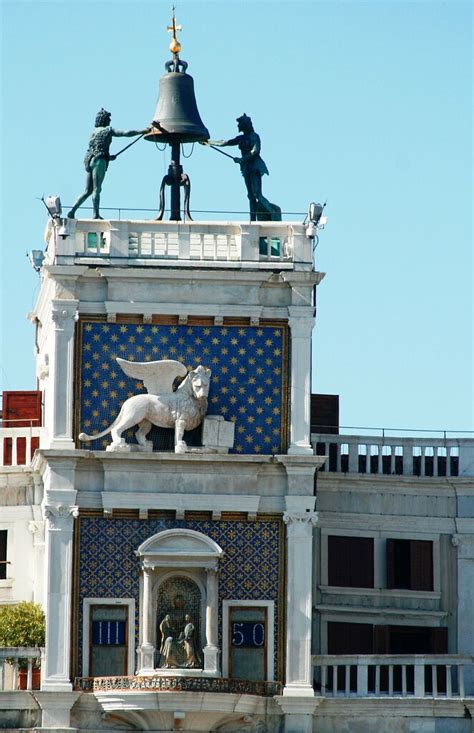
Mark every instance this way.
x=248 y=385
x=179 y=602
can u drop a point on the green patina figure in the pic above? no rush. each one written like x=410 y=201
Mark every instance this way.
x=252 y=167
x=97 y=159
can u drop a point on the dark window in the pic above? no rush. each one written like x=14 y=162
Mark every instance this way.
x=410 y=564
x=347 y=639
x=351 y=561
x=350 y=638
x=408 y=640
x=3 y=554
x=108 y=641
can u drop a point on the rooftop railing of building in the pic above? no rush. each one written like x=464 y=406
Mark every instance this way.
x=229 y=244
x=18 y=444
x=18 y=667
x=390 y=455
x=419 y=676
x=346 y=453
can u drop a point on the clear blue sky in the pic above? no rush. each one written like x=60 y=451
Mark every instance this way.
x=367 y=104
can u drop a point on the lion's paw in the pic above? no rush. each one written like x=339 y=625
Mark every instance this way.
x=119 y=447
x=146 y=446
x=180 y=447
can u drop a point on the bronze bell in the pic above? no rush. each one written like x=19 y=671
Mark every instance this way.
x=176 y=111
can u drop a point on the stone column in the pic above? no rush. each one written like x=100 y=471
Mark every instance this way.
x=211 y=650
x=146 y=653
x=36 y=527
x=59 y=522
x=300 y=389
x=300 y=519
x=61 y=378
x=464 y=544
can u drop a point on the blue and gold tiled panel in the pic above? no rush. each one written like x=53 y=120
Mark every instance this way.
x=107 y=567
x=249 y=375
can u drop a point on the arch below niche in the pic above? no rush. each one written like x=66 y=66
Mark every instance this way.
x=174 y=552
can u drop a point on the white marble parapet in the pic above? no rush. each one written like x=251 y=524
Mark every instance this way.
x=396 y=675
x=16 y=444
x=389 y=455
x=144 y=243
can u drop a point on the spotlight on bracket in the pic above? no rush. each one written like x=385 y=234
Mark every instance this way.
x=314 y=219
x=53 y=204
x=36 y=258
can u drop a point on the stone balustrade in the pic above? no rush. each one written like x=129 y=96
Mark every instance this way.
x=14 y=659
x=218 y=244
x=418 y=676
x=368 y=454
x=17 y=445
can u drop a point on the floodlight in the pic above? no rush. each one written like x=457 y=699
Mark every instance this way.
x=36 y=258
x=53 y=204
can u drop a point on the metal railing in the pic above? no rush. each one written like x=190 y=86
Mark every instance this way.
x=420 y=676
x=395 y=455
x=19 y=668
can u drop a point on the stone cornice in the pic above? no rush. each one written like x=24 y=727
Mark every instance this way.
x=435 y=485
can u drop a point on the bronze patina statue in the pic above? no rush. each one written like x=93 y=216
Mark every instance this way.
x=252 y=168
x=97 y=159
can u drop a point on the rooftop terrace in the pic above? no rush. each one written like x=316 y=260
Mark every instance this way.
x=232 y=245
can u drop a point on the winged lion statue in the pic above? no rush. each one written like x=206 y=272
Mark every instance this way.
x=183 y=409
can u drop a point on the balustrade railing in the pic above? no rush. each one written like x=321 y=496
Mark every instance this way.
x=420 y=676
x=228 y=242
x=395 y=455
x=17 y=445
x=19 y=668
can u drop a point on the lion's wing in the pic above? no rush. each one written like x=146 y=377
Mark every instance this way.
x=157 y=376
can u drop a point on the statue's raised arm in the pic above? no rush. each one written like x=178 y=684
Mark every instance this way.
x=252 y=167
x=97 y=159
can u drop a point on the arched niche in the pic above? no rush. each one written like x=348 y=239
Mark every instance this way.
x=165 y=558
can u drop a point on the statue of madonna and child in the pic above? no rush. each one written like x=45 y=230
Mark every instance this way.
x=178 y=650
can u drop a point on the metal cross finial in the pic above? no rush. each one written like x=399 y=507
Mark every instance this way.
x=173 y=28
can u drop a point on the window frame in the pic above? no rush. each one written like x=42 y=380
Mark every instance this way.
x=227 y=605
x=391 y=570
x=87 y=605
x=380 y=560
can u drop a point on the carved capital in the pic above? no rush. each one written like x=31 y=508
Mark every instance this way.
x=42 y=367
x=37 y=530
x=300 y=518
x=64 y=314
x=464 y=544
x=300 y=325
x=59 y=516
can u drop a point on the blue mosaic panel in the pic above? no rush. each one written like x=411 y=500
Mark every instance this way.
x=108 y=567
x=248 y=375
